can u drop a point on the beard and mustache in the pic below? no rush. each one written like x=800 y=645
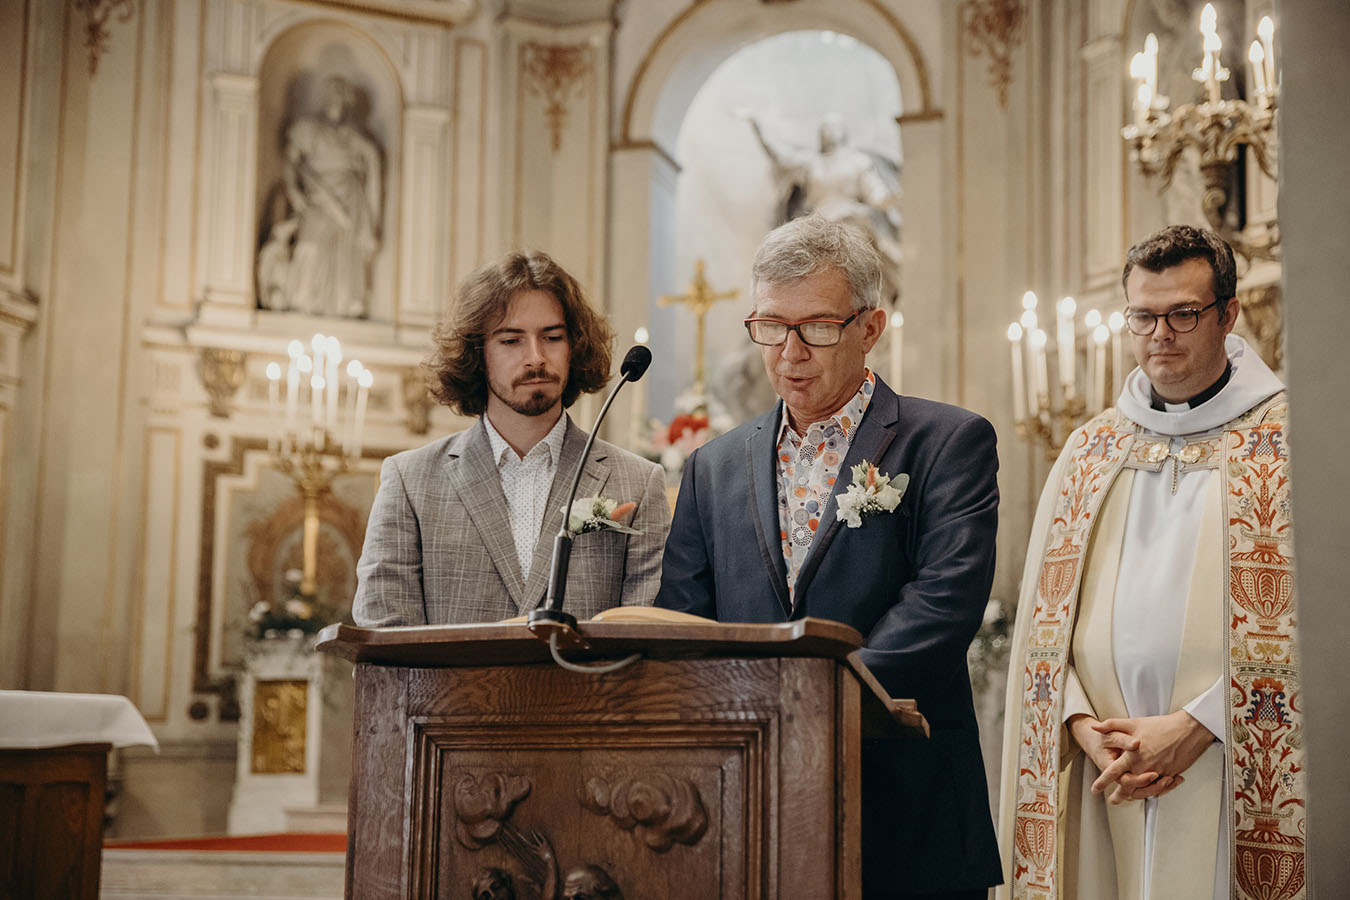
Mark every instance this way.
x=539 y=400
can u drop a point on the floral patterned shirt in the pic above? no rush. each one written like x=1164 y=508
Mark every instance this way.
x=807 y=468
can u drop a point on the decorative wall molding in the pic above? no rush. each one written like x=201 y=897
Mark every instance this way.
x=97 y=14
x=222 y=373
x=554 y=72
x=995 y=29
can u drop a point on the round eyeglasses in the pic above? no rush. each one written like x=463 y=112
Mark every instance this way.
x=813 y=332
x=1179 y=320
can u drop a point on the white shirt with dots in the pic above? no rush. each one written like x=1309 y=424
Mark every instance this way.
x=526 y=482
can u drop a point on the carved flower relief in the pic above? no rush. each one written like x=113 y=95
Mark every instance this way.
x=483 y=804
x=660 y=809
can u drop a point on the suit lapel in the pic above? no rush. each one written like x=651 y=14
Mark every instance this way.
x=474 y=476
x=761 y=462
x=874 y=436
x=593 y=479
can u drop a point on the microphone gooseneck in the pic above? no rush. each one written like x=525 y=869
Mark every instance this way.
x=549 y=618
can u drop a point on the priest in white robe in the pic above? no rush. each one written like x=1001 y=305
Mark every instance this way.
x=1153 y=744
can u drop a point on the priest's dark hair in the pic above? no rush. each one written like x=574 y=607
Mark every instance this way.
x=1177 y=243
x=456 y=372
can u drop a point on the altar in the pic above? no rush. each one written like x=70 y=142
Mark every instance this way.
x=53 y=781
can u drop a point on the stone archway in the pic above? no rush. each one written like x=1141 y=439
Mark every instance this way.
x=657 y=93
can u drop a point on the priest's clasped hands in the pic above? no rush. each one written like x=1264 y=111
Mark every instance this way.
x=1144 y=756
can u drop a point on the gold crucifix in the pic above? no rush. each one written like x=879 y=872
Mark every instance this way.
x=700 y=300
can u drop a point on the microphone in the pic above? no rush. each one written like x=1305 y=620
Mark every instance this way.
x=549 y=619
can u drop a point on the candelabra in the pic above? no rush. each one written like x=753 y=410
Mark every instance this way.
x=309 y=453
x=1045 y=416
x=1215 y=127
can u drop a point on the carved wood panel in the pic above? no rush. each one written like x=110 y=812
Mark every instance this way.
x=673 y=779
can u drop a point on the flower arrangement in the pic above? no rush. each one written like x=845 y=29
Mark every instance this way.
x=591 y=514
x=297 y=615
x=871 y=493
x=698 y=419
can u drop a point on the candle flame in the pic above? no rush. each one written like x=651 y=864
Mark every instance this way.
x=273 y=372
x=1255 y=54
x=365 y=379
x=897 y=319
x=1266 y=29
x=304 y=364
x=354 y=368
x=1029 y=320
x=1100 y=334
x=1067 y=306
x=1151 y=44
x=641 y=336
x=1092 y=319
x=1209 y=19
x=1014 y=332
x=1116 y=321
x=1038 y=339
x=1029 y=300
x=294 y=349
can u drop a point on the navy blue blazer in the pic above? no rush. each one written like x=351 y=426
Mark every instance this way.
x=914 y=583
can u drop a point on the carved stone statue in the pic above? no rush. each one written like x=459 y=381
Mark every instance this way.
x=317 y=258
x=844 y=184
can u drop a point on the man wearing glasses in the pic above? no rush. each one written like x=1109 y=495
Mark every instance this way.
x=1154 y=696
x=794 y=514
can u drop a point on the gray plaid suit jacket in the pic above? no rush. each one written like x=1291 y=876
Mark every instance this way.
x=439 y=551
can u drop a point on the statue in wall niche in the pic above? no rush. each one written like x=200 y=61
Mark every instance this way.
x=317 y=257
x=842 y=183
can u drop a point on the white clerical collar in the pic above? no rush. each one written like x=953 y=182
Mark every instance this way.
x=1251 y=382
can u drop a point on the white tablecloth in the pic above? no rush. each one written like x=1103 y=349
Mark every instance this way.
x=32 y=719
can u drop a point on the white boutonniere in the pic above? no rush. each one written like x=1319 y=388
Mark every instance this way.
x=600 y=514
x=871 y=492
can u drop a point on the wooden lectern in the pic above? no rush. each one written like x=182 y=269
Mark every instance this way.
x=722 y=763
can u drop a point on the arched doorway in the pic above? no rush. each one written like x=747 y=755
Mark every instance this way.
x=647 y=259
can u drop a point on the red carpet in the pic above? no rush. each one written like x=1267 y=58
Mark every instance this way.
x=275 y=843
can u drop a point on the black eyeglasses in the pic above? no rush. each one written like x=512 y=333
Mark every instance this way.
x=1179 y=320
x=813 y=332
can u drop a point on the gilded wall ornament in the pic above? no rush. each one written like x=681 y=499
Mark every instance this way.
x=279 y=716
x=222 y=373
x=995 y=29
x=1262 y=323
x=417 y=400
x=97 y=14
x=554 y=72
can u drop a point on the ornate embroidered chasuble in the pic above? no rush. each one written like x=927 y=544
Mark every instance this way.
x=1263 y=755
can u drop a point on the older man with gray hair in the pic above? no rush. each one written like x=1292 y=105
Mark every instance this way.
x=869 y=508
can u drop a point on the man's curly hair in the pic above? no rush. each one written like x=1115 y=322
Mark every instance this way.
x=456 y=373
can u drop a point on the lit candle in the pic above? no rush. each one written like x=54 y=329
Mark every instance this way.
x=316 y=407
x=354 y=370
x=1142 y=98
x=273 y=401
x=1266 y=32
x=1064 y=345
x=1097 y=397
x=1257 y=57
x=319 y=343
x=1151 y=63
x=1019 y=386
x=363 y=381
x=1040 y=371
x=295 y=350
x=897 y=343
x=305 y=366
x=1116 y=324
x=332 y=358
